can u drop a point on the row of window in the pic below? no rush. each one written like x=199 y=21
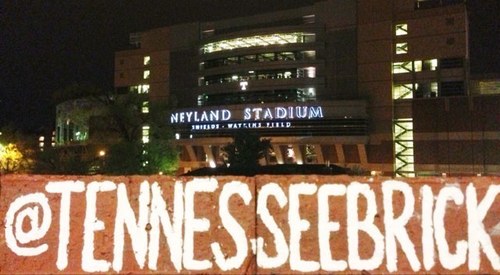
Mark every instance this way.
x=308 y=72
x=288 y=95
x=258 y=41
x=426 y=65
x=261 y=57
x=428 y=89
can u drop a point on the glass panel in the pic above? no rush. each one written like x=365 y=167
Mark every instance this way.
x=401 y=48
x=401 y=29
x=146 y=74
x=259 y=40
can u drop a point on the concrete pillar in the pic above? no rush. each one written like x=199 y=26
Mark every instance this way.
x=298 y=154
x=319 y=153
x=210 y=156
x=363 y=159
x=340 y=153
x=191 y=154
x=278 y=154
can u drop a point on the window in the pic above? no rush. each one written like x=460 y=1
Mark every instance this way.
x=417 y=65
x=147 y=60
x=426 y=89
x=448 y=63
x=143 y=89
x=145 y=134
x=402 y=91
x=401 y=29
x=401 y=48
x=402 y=67
x=258 y=41
x=429 y=65
x=146 y=74
x=145 y=107
x=309 y=72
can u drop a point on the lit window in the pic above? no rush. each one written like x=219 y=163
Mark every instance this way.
x=147 y=60
x=402 y=67
x=311 y=92
x=146 y=74
x=401 y=29
x=429 y=65
x=143 y=89
x=311 y=72
x=259 y=40
x=145 y=134
x=401 y=48
x=145 y=107
x=417 y=64
x=402 y=91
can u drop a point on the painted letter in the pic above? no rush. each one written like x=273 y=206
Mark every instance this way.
x=427 y=228
x=477 y=235
x=233 y=227
x=297 y=225
x=448 y=260
x=65 y=188
x=325 y=226
x=36 y=232
x=395 y=228
x=263 y=260
x=195 y=225
x=354 y=225
x=137 y=229
x=171 y=229
x=92 y=224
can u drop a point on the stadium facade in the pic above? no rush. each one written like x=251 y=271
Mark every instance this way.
x=373 y=85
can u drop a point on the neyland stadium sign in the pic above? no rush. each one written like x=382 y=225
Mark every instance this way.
x=253 y=117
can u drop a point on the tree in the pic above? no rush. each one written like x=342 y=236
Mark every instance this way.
x=11 y=159
x=132 y=153
x=116 y=128
x=65 y=160
x=246 y=150
x=16 y=150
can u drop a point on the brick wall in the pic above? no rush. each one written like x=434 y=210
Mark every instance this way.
x=241 y=225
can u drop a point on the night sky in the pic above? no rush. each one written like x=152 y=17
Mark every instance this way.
x=46 y=45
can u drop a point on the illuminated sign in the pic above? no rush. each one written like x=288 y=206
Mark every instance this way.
x=248 y=114
x=250 y=117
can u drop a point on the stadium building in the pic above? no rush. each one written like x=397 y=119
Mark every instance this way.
x=372 y=85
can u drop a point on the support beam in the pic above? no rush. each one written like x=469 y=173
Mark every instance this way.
x=340 y=153
x=210 y=156
x=191 y=154
x=278 y=154
x=363 y=158
x=298 y=154
x=319 y=153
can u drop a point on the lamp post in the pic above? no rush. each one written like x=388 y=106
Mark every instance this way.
x=102 y=156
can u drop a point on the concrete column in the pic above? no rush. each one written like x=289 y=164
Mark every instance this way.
x=278 y=154
x=210 y=156
x=340 y=153
x=363 y=158
x=298 y=154
x=191 y=154
x=319 y=153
